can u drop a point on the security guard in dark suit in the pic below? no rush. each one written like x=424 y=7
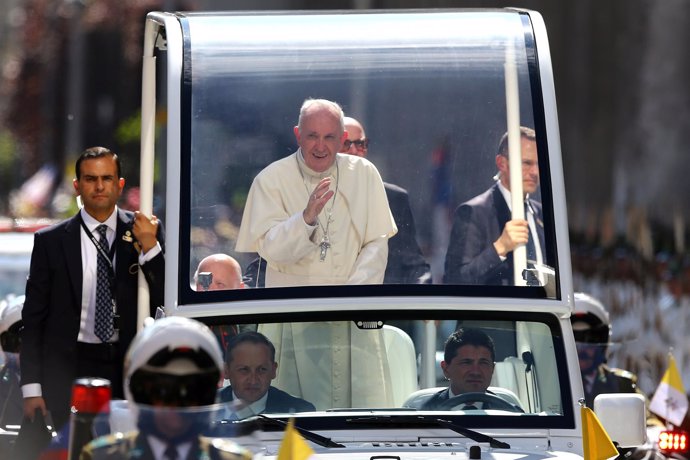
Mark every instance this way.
x=80 y=312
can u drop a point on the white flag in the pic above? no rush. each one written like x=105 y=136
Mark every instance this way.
x=670 y=401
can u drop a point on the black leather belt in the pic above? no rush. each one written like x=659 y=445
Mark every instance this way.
x=108 y=351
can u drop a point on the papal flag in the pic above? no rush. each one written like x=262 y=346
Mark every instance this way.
x=596 y=443
x=293 y=446
x=669 y=400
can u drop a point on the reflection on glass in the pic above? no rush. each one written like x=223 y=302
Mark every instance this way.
x=504 y=372
x=301 y=367
x=433 y=105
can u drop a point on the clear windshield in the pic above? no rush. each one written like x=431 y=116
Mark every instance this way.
x=430 y=92
x=474 y=370
x=474 y=365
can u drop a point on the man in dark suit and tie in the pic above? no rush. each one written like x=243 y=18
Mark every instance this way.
x=80 y=312
x=250 y=366
x=484 y=235
x=406 y=264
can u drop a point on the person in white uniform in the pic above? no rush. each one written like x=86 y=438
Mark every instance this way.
x=322 y=218
x=316 y=216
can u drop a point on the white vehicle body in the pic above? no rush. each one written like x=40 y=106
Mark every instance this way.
x=231 y=80
x=15 y=256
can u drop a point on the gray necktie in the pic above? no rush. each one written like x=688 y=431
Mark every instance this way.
x=104 y=310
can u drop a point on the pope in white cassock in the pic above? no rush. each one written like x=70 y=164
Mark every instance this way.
x=318 y=217
x=321 y=218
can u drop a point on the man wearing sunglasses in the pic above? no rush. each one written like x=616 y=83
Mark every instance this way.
x=406 y=264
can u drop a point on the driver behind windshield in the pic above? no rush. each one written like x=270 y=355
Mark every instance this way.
x=468 y=364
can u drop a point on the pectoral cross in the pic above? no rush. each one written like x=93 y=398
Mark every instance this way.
x=324 y=245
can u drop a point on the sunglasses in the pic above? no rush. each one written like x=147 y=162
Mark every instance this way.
x=154 y=388
x=360 y=144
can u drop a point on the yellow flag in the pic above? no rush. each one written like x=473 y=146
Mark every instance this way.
x=669 y=400
x=595 y=442
x=293 y=446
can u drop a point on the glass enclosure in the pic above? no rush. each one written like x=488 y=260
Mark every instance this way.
x=376 y=364
x=487 y=369
x=432 y=101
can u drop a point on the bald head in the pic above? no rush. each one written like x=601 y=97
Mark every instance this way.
x=356 y=142
x=227 y=273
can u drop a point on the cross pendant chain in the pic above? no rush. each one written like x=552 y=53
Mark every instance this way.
x=325 y=241
x=324 y=245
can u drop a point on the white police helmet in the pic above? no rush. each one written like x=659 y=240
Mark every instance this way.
x=176 y=361
x=12 y=312
x=10 y=323
x=590 y=320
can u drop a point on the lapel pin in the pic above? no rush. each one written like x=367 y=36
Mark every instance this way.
x=127 y=236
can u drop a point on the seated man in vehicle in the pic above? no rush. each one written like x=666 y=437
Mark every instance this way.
x=468 y=363
x=250 y=366
x=218 y=272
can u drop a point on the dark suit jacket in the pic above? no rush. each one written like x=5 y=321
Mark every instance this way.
x=471 y=257
x=278 y=401
x=609 y=380
x=406 y=264
x=437 y=399
x=52 y=309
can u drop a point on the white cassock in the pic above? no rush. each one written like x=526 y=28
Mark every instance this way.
x=358 y=232
x=332 y=364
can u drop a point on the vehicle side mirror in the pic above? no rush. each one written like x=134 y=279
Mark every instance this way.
x=614 y=407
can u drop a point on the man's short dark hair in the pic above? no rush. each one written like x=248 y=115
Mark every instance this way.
x=467 y=336
x=96 y=152
x=249 y=337
x=525 y=132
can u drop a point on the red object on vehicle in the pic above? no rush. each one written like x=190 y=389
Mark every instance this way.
x=673 y=441
x=91 y=395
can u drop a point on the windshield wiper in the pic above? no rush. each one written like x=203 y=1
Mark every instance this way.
x=311 y=436
x=432 y=421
